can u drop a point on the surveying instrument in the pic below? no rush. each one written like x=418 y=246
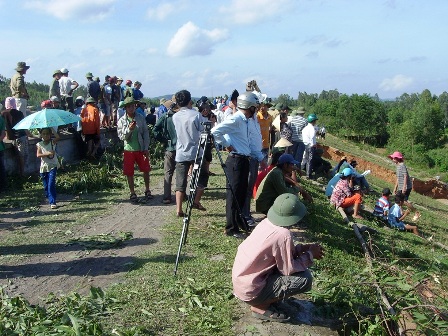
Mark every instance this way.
x=206 y=142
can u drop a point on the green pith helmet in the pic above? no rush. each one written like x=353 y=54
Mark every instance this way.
x=312 y=117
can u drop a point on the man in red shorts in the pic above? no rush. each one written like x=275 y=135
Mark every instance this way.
x=133 y=131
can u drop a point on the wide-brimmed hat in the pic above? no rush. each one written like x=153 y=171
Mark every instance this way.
x=287 y=210
x=89 y=75
x=55 y=99
x=57 y=72
x=90 y=100
x=287 y=158
x=301 y=110
x=129 y=101
x=283 y=143
x=64 y=70
x=396 y=155
x=294 y=113
x=22 y=66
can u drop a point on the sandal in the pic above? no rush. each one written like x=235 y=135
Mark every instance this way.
x=271 y=315
x=133 y=198
x=167 y=201
x=198 y=206
x=148 y=195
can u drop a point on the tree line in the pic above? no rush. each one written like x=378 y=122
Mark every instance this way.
x=414 y=124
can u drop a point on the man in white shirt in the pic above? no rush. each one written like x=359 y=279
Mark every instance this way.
x=309 y=139
x=67 y=85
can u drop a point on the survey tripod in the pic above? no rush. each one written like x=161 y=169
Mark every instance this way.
x=206 y=142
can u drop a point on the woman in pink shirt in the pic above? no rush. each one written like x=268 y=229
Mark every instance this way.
x=268 y=267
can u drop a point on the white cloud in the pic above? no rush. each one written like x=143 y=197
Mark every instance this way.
x=163 y=10
x=78 y=9
x=253 y=11
x=191 y=40
x=396 y=83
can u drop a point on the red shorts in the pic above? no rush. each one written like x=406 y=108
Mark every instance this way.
x=129 y=160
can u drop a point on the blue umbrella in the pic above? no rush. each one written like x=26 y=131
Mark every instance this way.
x=47 y=118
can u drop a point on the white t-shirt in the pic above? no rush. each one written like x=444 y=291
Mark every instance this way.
x=65 y=85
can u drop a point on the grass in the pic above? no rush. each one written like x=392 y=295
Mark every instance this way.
x=199 y=300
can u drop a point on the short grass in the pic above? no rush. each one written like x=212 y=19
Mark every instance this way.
x=199 y=300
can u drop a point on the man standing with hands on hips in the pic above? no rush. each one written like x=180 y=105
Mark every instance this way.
x=133 y=131
x=233 y=134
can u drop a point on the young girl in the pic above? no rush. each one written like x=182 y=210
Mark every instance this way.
x=48 y=166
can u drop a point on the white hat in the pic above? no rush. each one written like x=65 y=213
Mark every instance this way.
x=80 y=98
x=283 y=143
x=55 y=98
x=64 y=70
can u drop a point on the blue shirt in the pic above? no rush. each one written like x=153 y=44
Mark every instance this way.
x=255 y=140
x=237 y=130
x=137 y=94
x=394 y=216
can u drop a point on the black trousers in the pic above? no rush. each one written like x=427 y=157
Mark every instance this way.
x=237 y=169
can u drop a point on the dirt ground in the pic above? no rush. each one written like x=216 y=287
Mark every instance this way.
x=69 y=268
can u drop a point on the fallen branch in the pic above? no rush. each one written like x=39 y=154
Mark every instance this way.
x=379 y=291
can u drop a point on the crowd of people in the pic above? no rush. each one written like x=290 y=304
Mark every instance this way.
x=270 y=149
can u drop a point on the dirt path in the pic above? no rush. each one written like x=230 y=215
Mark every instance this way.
x=73 y=267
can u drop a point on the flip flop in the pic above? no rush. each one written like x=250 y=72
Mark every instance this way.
x=133 y=198
x=148 y=195
x=270 y=315
x=198 y=206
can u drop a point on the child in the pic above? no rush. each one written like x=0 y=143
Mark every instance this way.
x=382 y=205
x=396 y=215
x=48 y=166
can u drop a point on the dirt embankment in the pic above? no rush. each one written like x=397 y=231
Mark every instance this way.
x=431 y=188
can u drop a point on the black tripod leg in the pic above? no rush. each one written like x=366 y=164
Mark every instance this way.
x=197 y=166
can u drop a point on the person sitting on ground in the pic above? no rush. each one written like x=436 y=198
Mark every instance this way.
x=343 y=195
x=262 y=174
x=268 y=267
x=396 y=215
x=90 y=120
x=320 y=166
x=382 y=205
x=278 y=182
x=337 y=169
x=360 y=179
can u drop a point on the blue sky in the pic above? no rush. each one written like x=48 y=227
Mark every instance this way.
x=212 y=47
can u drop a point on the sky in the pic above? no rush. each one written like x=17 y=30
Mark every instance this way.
x=210 y=47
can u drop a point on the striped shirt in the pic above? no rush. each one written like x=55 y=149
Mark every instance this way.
x=402 y=172
x=381 y=207
x=297 y=124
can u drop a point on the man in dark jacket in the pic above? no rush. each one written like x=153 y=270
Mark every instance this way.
x=165 y=132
